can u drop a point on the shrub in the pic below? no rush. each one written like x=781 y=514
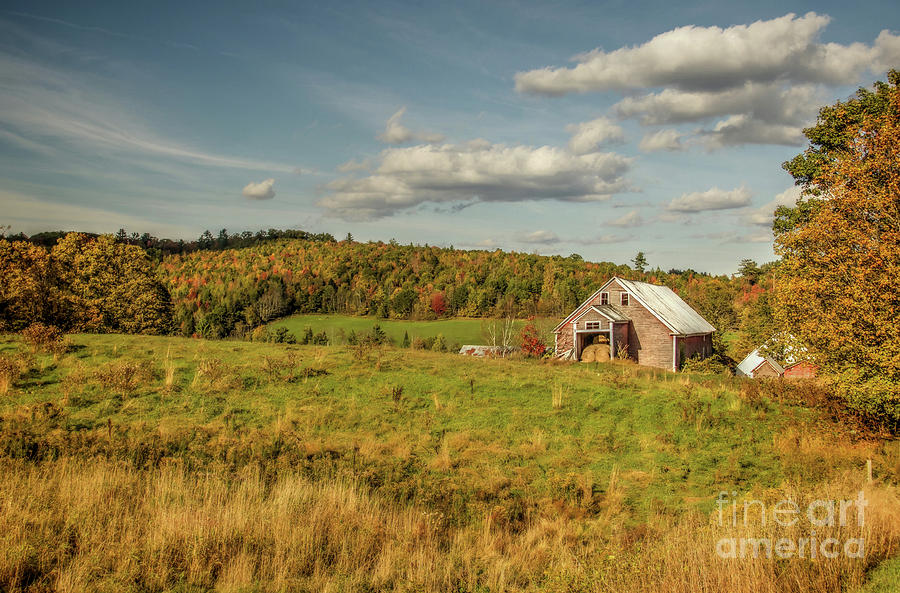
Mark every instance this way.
x=418 y=343
x=532 y=344
x=11 y=369
x=283 y=336
x=260 y=334
x=439 y=344
x=45 y=338
x=123 y=378
x=712 y=365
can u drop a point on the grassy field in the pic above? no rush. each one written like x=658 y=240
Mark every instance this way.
x=145 y=463
x=455 y=331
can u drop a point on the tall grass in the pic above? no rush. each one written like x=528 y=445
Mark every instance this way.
x=72 y=526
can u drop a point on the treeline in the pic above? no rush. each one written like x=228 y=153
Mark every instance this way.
x=158 y=248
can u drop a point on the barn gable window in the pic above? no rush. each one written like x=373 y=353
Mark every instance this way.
x=624 y=298
x=591 y=325
x=604 y=298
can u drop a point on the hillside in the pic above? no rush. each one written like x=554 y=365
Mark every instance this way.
x=220 y=293
x=242 y=466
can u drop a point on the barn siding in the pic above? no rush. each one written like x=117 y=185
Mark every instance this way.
x=765 y=371
x=801 y=370
x=693 y=345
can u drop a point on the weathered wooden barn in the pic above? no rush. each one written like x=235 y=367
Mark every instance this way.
x=649 y=323
x=759 y=366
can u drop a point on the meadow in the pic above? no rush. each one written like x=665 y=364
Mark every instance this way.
x=137 y=463
x=455 y=331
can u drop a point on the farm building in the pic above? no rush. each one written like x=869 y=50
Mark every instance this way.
x=803 y=369
x=759 y=366
x=648 y=323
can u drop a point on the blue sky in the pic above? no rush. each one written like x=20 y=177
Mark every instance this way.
x=593 y=128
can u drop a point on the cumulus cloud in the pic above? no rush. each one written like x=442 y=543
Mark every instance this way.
x=627 y=220
x=539 y=237
x=396 y=133
x=477 y=171
x=662 y=140
x=711 y=199
x=590 y=135
x=765 y=214
x=761 y=81
x=712 y=58
x=264 y=190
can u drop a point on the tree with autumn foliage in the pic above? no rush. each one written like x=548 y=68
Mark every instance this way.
x=532 y=342
x=838 y=287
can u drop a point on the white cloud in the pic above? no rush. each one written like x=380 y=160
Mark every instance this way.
x=662 y=140
x=711 y=199
x=396 y=133
x=765 y=79
x=477 y=171
x=764 y=215
x=264 y=190
x=588 y=136
x=354 y=165
x=539 y=237
x=713 y=58
x=627 y=220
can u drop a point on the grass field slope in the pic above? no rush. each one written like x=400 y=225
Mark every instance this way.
x=338 y=327
x=132 y=463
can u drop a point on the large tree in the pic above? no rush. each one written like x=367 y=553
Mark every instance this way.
x=834 y=134
x=838 y=289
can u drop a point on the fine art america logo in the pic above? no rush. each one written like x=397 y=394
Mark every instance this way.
x=833 y=518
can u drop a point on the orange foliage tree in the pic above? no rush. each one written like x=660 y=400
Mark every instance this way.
x=838 y=289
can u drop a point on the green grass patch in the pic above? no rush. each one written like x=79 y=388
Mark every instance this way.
x=455 y=331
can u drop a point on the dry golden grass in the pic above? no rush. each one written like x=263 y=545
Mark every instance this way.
x=73 y=526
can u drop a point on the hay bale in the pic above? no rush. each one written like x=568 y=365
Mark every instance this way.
x=587 y=355
x=595 y=353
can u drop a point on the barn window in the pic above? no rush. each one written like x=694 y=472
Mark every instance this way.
x=625 y=298
x=604 y=298
x=591 y=325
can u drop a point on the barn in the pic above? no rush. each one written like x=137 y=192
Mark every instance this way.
x=758 y=366
x=803 y=369
x=649 y=323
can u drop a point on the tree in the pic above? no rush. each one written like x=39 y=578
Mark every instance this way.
x=405 y=343
x=532 y=343
x=640 y=262
x=833 y=136
x=438 y=303
x=749 y=271
x=838 y=288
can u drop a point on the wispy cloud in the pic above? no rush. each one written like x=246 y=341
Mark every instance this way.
x=43 y=106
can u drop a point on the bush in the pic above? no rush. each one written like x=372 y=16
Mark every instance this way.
x=123 y=378
x=45 y=338
x=711 y=365
x=418 y=343
x=283 y=336
x=260 y=334
x=439 y=345
x=11 y=369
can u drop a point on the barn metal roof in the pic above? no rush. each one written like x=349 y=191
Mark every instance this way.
x=752 y=362
x=610 y=313
x=668 y=307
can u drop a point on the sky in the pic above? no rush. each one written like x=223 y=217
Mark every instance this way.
x=597 y=128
